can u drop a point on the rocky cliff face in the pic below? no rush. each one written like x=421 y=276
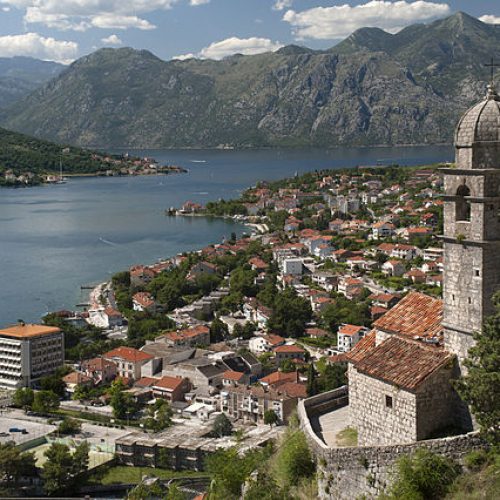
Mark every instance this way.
x=373 y=88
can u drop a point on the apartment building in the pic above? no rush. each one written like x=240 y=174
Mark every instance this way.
x=29 y=352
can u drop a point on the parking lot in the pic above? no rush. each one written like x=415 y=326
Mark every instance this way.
x=35 y=429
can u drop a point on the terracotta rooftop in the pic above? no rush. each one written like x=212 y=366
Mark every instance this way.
x=28 y=331
x=279 y=378
x=403 y=362
x=289 y=348
x=128 y=354
x=233 y=375
x=350 y=329
x=362 y=348
x=293 y=390
x=417 y=315
x=169 y=383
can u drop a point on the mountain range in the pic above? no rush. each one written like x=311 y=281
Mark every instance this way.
x=19 y=76
x=372 y=88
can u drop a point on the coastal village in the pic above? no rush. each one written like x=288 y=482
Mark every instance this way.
x=332 y=309
x=104 y=166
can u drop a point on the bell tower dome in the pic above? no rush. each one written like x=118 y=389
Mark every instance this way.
x=472 y=225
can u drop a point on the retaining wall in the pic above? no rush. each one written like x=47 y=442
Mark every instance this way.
x=366 y=471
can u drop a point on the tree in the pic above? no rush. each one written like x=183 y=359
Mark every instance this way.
x=53 y=383
x=58 y=468
x=81 y=458
x=45 y=401
x=270 y=418
x=290 y=313
x=69 y=426
x=312 y=382
x=480 y=388
x=423 y=476
x=218 y=331
x=23 y=398
x=123 y=403
x=150 y=491
x=264 y=487
x=293 y=460
x=159 y=416
x=61 y=470
x=287 y=366
x=222 y=426
x=334 y=375
x=14 y=464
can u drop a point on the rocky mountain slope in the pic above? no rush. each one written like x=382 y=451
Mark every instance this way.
x=19 y=76
x=372 y=88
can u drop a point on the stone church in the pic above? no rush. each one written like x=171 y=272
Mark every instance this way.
x=400 y=375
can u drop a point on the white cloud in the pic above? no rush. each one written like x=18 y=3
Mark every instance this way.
x=233 y=45
x=81 y=15
x=282 y=4
x=35 y=45
x=184 y=57
x=195 y=3
x=333 y=23
x=489 y=19
x=6 y=9
x=112 y=40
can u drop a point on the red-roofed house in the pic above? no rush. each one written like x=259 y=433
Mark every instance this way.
x=393 y=268
x=350 y=287
x=349 y=335
x=283 y=352
x=128 y=361
x=197 y=335
x=171 y=388
x=265 y=344
x=233 y=378
x=100 y=370
x=144 y=301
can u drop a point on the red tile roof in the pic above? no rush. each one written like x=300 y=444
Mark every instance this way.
x=417 y=315
x=128 y=354
x=146 y=382
x=289 y=348
x=279 y=377
x=233 y=375
x=350 y=329
x=169 y=383
x=362 y=348
x=403 y=362
x=293 y=390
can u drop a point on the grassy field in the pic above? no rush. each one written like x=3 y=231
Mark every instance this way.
x=96 y=458
x=121 y=474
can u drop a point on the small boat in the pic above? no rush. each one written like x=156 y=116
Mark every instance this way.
x=61 y=179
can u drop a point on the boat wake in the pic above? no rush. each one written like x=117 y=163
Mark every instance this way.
x=107 y=242
x=198 y=161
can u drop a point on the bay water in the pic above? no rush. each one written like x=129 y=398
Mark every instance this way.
x=53 y=239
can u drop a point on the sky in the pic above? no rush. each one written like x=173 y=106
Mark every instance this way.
x=64 y=30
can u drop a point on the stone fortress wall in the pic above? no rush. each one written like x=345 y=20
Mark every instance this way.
x=366 y=471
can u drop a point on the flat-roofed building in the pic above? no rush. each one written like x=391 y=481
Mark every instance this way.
x=29 y=352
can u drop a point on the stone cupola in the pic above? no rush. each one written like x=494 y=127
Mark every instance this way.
x=477 y=136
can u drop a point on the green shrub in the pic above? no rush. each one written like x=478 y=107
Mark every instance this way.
x=476 y=459
x=423 y=476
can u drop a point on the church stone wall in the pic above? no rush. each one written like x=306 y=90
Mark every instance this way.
x=436 y=402
x=376 y=422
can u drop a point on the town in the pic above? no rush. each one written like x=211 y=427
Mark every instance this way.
x=226 y=341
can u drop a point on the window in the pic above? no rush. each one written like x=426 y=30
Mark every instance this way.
x=477 y=273
x=462 y=206
x=388 y=401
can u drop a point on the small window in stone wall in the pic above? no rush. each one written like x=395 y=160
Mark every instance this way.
x=462 y=206
x=388 y=402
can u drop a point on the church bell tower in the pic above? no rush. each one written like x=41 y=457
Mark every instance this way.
x=472 y=225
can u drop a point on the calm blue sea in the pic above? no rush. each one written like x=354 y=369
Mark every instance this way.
x=55 y=238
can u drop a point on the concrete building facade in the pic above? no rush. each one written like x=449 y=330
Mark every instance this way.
x=29 y=352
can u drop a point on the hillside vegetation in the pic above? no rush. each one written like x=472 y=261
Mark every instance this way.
x=372 y=88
